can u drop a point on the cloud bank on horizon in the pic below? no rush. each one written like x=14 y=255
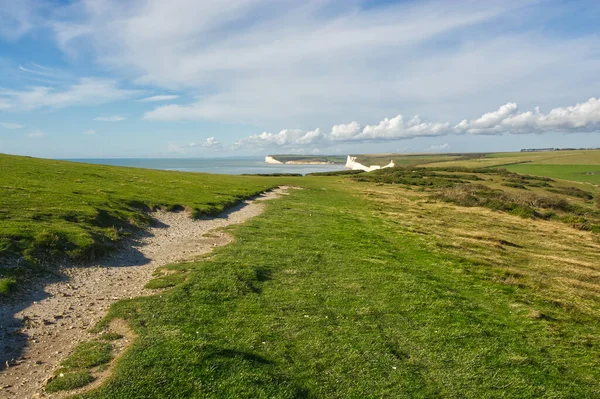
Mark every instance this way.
x=330 y=75
x=507 y=119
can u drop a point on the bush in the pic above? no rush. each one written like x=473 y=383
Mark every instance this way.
x=573 y=192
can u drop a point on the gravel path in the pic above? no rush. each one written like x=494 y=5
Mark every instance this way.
x=40 y=328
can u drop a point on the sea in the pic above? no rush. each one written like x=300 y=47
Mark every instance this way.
x=227 y=166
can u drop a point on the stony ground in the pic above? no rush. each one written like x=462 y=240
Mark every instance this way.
x=40 y=328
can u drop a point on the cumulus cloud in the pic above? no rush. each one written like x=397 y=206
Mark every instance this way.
x=345 y=131
x=163 y=97
x=90 y=132
x=581 y=117
x=395 y=128
x=507 y=119
x=112 y=118
x=11 y=126
x=87 y=91
x=286 y=138
x=210 y=142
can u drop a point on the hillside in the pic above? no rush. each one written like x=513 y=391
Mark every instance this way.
x=403 y=282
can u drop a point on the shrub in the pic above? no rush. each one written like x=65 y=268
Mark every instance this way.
x=573 y=192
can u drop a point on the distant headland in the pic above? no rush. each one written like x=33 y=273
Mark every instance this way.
x=349 y=162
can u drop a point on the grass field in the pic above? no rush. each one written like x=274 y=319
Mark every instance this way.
x=407 y=282
x=582 y=173
x=311 y=158
x=50 y=208
x=357 y=289
x=582 y=166
x=408 y=159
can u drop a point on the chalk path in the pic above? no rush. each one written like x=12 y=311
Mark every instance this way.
x=39 y=330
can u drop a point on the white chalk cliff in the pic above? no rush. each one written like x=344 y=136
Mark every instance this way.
x=352 y=164
x=270 y=159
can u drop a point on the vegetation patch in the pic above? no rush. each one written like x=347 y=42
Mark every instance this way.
x=337 y=173
x=484 y=187
x=76 y=371
x=66 y=381
x=52 y=210
x=573 y=192
x=6 y=284
x=330 y=294
x=167 y=281
x=87 y=355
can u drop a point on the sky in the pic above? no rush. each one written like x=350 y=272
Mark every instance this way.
x=192 y=78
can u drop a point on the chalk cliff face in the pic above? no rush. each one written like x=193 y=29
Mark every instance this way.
x=270 y=159
x=352 y=164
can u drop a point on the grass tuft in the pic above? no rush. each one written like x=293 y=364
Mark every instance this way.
x=68 y=381
x=88 y=354
x=6 y=285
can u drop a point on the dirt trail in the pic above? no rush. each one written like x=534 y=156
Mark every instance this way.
x=41 y=328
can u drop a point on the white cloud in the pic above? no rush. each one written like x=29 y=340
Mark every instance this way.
x=327 y=60
x=36 y=134
x=90 y=132
x=210 y=142
x=345 y=131
x=112 y=118
x=285 y=138
x=11 y=126
x=87 y=91
x=395 y=128
x=584 y=117
x=493 y=118
x=164 y=97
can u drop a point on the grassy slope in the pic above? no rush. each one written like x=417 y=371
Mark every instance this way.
x=49 y=207
x=362 y=290
x=311 y=158
x=405 y=160
x=582 y=173
x=582 y=166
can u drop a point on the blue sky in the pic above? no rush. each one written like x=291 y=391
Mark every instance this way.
x=187 y=78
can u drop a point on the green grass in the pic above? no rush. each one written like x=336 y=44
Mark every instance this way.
x=110 y=336
x=167 y=281
x=56 y=208
x=328 y=294
x=409 y=159
x=581 y=166
x=365 y=285
x=581 y=173
x=311 y=158
x=88 y=355
x=534 y=197
x=6 y=285
x=69 y=381
x=76 y=370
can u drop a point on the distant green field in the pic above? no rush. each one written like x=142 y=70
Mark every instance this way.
x=571 y=157
x=311 y=158
x=576 y=165
x=409 y=159
x=582 y=173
